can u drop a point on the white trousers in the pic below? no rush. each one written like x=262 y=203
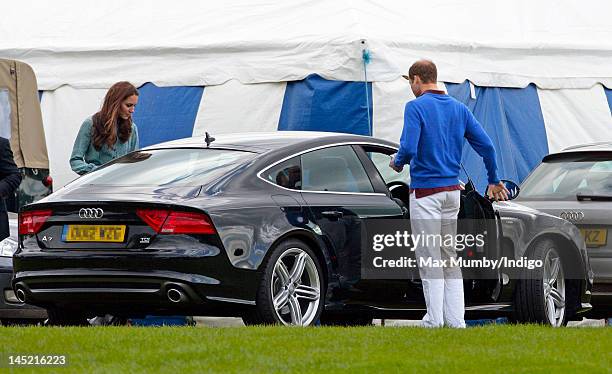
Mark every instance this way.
x=436 y=215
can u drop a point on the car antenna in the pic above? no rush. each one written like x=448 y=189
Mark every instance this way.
x=208 y=139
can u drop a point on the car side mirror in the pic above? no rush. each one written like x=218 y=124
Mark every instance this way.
x=513 y=189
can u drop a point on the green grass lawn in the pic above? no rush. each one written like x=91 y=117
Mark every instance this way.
x=279 y=349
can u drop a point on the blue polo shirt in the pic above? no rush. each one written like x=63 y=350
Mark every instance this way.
x=435 y=126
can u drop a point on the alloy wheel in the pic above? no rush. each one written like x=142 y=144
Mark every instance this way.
x=295 y=288
x=554 y=288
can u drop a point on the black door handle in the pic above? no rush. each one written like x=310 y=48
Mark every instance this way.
x=332 y=214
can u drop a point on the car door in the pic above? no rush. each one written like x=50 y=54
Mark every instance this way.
x=392 y=292
x=340 y=196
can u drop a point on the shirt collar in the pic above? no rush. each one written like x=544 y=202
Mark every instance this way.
x=437 y=92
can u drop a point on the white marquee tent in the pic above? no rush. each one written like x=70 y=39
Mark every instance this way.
x=536 y=74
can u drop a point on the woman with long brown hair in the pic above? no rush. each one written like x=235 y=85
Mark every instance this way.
x=108 y=134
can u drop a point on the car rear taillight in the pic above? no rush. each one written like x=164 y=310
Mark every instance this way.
x=153 y=217
x=172 y=222
x=30 y=222
x=187 y=223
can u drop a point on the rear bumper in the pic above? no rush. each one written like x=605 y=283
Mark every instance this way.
x=132 y=293
x=601 y=299
x=602 y=269
x=602 y=285
x=15 y=310
x=136 y=282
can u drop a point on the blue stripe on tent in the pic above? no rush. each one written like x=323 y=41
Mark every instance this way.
x=609 y=96
x=316 y=104
x=513 y=119
x=166 y=113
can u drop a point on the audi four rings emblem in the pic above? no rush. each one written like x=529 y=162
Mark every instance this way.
x=91 y=213
x=572 y=215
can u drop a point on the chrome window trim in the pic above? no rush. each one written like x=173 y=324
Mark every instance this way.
x=342 y=193
x=316 y=149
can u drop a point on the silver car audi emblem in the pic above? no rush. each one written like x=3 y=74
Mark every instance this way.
x=572 y=215
x=91 y=213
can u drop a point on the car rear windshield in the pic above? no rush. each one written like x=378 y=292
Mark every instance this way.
x=564 y=180
x=167 y=167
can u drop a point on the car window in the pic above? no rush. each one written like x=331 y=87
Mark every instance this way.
x=167 y=167
x=287 y=174
x=564 y=180
x=381 y=161
x=336 y=169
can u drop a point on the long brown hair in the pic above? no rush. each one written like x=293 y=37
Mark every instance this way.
x=107 y=124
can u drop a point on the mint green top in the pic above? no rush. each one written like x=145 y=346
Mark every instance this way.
x=85 y=157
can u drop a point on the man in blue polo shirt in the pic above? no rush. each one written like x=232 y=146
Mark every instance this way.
x=435 y=126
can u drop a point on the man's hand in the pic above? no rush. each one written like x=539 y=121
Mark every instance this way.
x=396 y=168
x=498 y=192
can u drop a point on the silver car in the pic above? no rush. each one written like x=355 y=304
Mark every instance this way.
x=13 y=311
x=576 y=185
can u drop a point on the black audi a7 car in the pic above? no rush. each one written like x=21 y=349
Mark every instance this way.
x=266 y=226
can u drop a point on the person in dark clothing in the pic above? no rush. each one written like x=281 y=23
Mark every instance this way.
x=10 y=177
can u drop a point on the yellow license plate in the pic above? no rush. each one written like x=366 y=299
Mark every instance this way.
x=595 y=237
x=94 y=233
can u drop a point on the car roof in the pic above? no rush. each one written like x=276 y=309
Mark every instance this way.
x=261 y=142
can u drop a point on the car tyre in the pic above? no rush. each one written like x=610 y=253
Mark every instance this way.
x=65 y=317
x=251 y=318
x=541 y=294
x=291 y=291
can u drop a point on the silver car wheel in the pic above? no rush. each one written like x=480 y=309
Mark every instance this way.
x=295 y=288
x=554 y=288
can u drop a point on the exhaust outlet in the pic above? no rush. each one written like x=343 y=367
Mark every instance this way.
x=175 y=295
x=20 y=294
